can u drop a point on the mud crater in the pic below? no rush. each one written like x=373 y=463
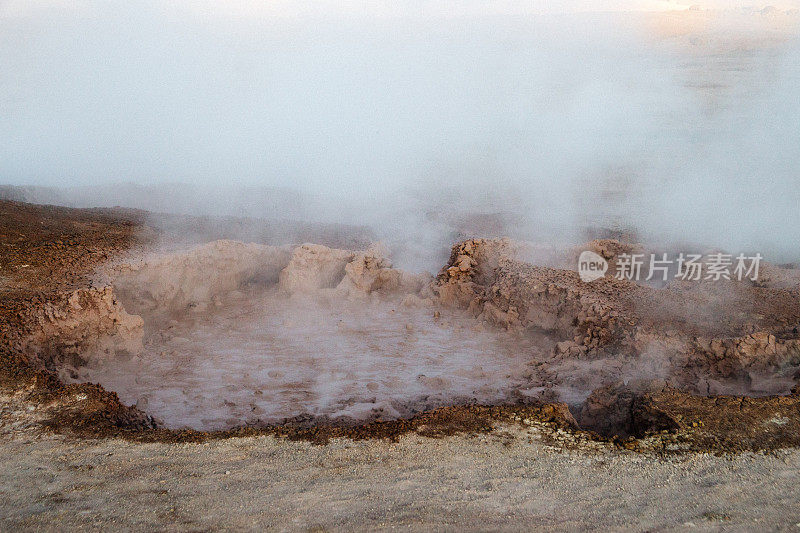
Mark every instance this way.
x=231 y=334
x=228 y=334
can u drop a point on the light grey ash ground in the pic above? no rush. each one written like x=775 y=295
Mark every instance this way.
x=508 y=480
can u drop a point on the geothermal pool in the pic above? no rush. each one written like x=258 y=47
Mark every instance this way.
x=239 y=334
x=261 y=358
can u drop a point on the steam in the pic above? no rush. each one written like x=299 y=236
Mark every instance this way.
x=412 y=120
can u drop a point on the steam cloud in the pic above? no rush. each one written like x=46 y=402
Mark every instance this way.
x=682 y=126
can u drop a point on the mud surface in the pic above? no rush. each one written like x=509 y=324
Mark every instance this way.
x=262 y=358
x=85 y=298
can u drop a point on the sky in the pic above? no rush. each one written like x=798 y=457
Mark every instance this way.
x=291 y=9
x=392 y=8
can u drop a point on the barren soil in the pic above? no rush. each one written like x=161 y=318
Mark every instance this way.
x=509 y=479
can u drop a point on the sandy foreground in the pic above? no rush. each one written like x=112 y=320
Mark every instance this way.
x=506 y=480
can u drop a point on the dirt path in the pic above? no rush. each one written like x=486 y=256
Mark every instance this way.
x=508 y=479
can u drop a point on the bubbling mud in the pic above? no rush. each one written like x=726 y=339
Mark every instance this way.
x=247 y=334
x=262 y=358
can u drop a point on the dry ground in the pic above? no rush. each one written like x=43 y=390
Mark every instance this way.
x=507 y=480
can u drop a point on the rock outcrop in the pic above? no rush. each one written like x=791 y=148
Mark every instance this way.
x=700 y=330
x=173 y=282
x=86 y=325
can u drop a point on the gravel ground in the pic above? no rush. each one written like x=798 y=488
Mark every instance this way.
x=507 y=480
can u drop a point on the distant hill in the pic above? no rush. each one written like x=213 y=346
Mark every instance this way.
x=176 y=198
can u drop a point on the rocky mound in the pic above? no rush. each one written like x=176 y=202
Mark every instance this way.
x=708 y=338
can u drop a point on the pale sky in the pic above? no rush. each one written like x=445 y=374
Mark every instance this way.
x=393 y=8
